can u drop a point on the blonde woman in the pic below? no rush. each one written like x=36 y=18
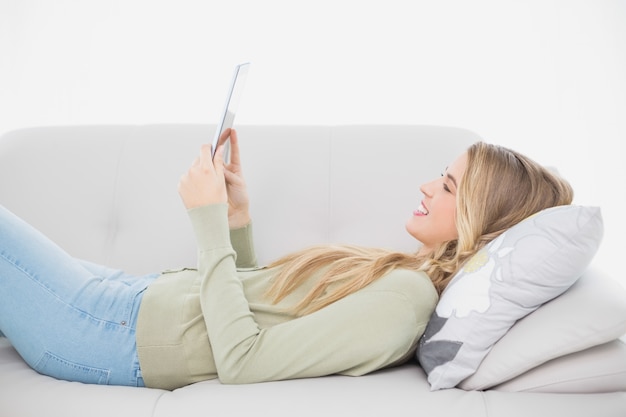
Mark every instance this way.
x=324 y=310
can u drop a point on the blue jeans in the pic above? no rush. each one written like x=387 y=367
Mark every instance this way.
x=67 y=318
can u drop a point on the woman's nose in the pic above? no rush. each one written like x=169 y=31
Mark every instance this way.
x=427 y=188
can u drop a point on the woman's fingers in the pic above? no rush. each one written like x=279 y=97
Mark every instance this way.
x=204 y=182
x=235 y=158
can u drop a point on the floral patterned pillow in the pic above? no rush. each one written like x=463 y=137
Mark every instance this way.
x=523 y=268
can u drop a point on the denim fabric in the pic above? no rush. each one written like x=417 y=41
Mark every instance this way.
x=67 y=318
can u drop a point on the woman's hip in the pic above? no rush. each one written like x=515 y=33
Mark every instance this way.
x=90 y=340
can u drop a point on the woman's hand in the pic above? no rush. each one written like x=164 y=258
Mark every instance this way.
x=238 y=200
x=205 y=182
x=211 y=182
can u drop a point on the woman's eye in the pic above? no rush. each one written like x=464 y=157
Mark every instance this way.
x=445 y=186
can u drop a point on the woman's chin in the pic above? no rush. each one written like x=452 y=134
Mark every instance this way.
x=411 y=230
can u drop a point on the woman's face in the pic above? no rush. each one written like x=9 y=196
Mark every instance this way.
x=433 y=222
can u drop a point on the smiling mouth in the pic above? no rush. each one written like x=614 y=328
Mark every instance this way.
x=421 y=210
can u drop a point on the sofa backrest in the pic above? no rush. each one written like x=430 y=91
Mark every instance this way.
x=109 y=193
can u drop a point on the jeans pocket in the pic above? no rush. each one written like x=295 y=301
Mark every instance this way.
x=57 y=367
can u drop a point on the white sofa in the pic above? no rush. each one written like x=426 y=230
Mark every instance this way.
x=108 y=194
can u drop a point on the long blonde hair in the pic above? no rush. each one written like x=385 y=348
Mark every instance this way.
x=500 y=188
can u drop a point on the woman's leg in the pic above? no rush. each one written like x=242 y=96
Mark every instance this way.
x=68 y=319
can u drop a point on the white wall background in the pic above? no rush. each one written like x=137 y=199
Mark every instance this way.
x=546 y=77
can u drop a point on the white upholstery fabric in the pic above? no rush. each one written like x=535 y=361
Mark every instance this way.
x=308 y=185
x=108 y=194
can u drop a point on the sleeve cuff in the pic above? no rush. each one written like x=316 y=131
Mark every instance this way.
x=210 y=226
x=243 y=243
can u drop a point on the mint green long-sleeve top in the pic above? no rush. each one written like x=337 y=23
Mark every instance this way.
x=214 y=321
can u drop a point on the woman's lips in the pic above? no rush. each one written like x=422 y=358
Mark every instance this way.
x=421 y=210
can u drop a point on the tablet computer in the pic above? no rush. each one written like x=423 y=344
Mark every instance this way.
x=227 y=117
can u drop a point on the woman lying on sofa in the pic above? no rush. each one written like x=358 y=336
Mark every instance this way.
x=321 y=311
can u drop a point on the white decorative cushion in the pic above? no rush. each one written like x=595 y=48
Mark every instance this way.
x=598 y=369
x=591 y=313
x=523 y=268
